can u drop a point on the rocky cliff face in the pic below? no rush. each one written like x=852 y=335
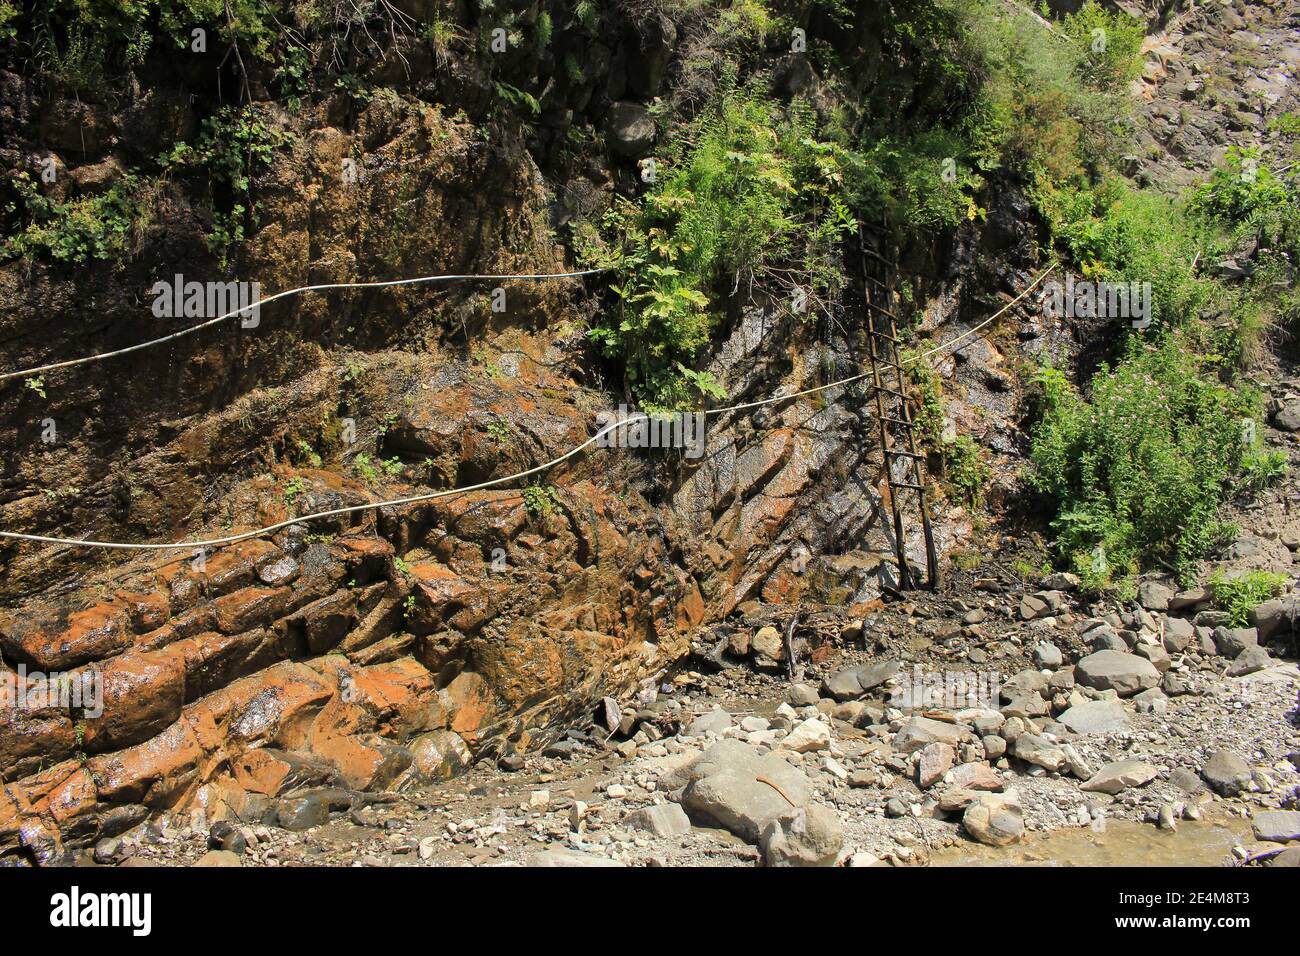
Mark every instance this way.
x=390 y=647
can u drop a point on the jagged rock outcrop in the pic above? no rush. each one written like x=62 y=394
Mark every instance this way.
x=270 y=678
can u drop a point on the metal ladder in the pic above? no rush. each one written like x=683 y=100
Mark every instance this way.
x=894 y=415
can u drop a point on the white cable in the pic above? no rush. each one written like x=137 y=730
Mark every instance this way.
x=231 y=539
x=912 y=360
x=352 y=509
x=280 y=295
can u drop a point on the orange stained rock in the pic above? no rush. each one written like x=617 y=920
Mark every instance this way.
x=142 y=694
x=358 y=549
x=261 y=772
x=15 y=811
x=690 y=607
x=90 y=635
x=250 y=607
x=72 y=796
x=33 y=737
x=147 y=612
x=396 y=699
x=274 y=706
x=155 y=772
x=234 y=566
x=363 y=764
x=470 y=701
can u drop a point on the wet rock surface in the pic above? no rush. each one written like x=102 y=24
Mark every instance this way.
x=884 y=782
x=598 y=679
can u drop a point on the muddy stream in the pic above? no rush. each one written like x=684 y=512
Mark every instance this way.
x=1122 y=843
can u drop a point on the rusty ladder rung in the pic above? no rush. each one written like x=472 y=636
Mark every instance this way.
x=887 y=357
x=885 y=312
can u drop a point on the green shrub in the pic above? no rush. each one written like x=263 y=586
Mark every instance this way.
x=1241 y=594
x=540 y=500
x=918 y=183
x=1138 y=471
x=501 y=431
x=1052 y=106
x=85 y=43
x=293 y=488
x=958 y=457
x=107 y=226
x=8 y=14
x=1117 y=234
x=375 y=470
x=978 y=86
x=1108 y=45
x=748 y=189
x=963 y=469
x=232 y=146
x=1241 y=192
x=1244 y=203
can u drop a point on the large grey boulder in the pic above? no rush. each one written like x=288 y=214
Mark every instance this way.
x=1178 y=634
x=808 y=736
x=803 y=836
x=714 y=722
x=1032 y=607
x=734 y=786
x=1231 y=641
x=1277 y=616
x=1249 y=661
x=1119 y=776
x=663 y=820
x=1226 y=773
x=1191 y=600
x=1287 y=418
x=918 y=732
x=1096 y=717
x=1102 y=637
x=629 y=130
x=993 y=821
x=935 y=760
x=1276 y=826
x=1026 y=683
x=564 y=857
x=1126 y=674
x=1039 y=751
x=1060 y=581
x=1048 y=655
x=1154 y=596
x=1040 y=604
x=850 y=683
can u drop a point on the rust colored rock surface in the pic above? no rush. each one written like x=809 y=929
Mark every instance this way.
x=142 y=695
x=241 y=672
x=91 y=635
x=155 y=773
x=30 y=738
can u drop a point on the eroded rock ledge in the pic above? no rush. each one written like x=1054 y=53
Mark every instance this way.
x=390 y=648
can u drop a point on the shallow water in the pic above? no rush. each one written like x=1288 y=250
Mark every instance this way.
x=1124 y=843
